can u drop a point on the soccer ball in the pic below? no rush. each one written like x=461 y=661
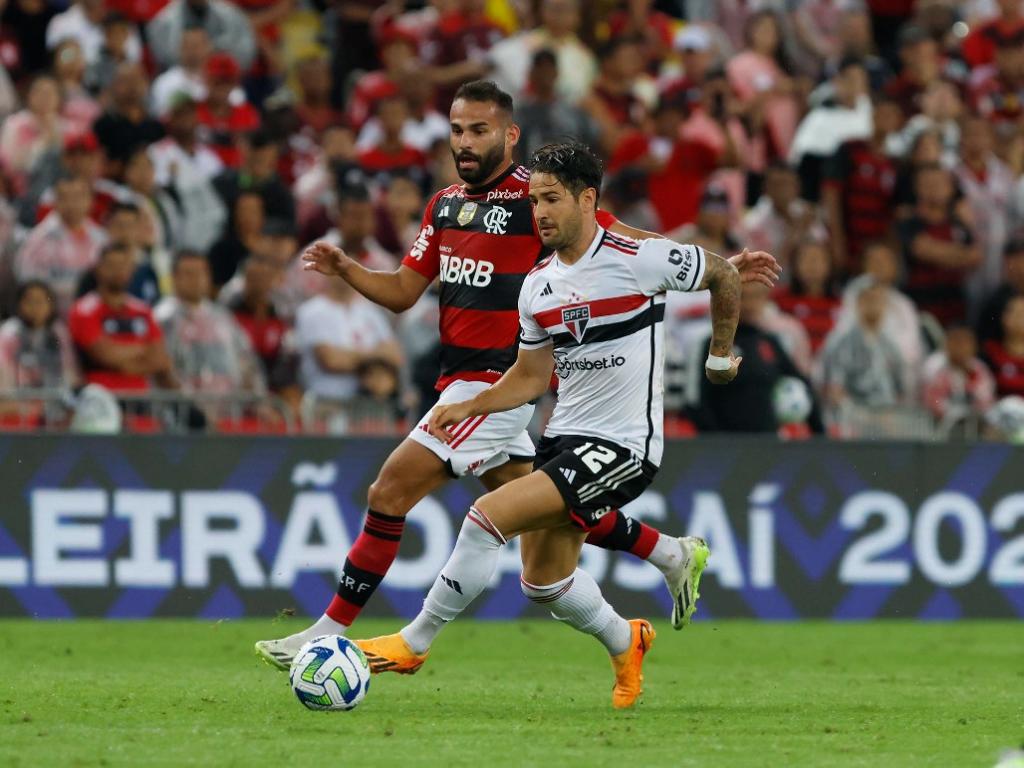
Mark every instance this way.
x=791 y=401
x=330 y=673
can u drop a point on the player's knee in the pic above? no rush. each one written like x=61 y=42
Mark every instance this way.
x=388 y=497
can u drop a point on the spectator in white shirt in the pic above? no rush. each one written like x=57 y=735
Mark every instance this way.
x=209 y=351
x=187 y=168
x=226 y=24
x=187 y=76
x=859 y=362
x=83 y=22
x=987 y=183
x=64 y=245
x=339 y=333
x=846 y=116
x=577 y=65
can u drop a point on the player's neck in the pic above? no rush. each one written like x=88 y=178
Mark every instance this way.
x=575 y=251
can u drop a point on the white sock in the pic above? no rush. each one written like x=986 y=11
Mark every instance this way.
x=463 y=577
x=667 y=554
x=578 y=602
x=325 y=625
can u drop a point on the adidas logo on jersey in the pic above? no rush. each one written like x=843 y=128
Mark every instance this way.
x=547 y=290
x=569 y=474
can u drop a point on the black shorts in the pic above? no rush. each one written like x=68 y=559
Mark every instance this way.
x=593 y=475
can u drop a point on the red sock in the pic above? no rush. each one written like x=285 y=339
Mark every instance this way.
x=368 y=561
x=620 y=532
x=602 y=530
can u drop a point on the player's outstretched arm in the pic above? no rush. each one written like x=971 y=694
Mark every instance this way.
x=723 y=280
x=753 y=266
x=526 y=380
x=396 y=290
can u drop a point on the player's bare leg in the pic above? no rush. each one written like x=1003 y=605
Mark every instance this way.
x=409 y=474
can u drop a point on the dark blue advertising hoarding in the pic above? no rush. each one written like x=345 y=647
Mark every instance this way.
x=225 y=527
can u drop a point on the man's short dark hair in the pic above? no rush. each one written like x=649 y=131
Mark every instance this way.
x=487 y=91
x=572 y=163
x=544 y=56
x=186 y=254
x=260 y=138
x=123 y=206
x=114 y=247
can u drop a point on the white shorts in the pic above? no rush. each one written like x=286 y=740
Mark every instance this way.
x=482 y=442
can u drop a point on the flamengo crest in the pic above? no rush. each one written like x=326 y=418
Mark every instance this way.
x=576 y=319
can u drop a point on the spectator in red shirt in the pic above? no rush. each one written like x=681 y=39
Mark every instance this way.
x=979 y=47
x=223 y=121
x=391 y=153
x=653 y=29
x=457 y=47
x=678 y=168
x=938 y=248
x=1006 y=357
x=921 y=64
x=613 y=102
x=956 y=382
x=694 y=46
x=254 y=310
x=398 y=52
x=83 y=157
x=811 y=296
x=997 y=92
x=859 y=188
x=314 y=108
x=118 y=341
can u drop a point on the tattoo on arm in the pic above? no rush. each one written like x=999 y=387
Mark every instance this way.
x=723 y=280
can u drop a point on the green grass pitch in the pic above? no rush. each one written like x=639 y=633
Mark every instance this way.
x=532 y=693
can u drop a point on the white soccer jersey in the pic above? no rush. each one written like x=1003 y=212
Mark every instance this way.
x=603 y=316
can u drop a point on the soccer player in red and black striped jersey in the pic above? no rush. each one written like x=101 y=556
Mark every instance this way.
x=480 y=240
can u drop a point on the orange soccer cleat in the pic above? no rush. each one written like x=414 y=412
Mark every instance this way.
x=390 y=653
x=627 y=665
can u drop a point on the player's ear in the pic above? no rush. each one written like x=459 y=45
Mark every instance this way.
x=512 y=134
x=588 y=200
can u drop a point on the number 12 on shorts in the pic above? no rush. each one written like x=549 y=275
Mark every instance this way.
x=596 y=457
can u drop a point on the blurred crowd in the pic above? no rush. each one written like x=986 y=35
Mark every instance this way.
x=163 y=164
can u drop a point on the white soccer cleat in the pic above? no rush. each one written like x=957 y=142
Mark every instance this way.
x=279 y=653
x=684 y=581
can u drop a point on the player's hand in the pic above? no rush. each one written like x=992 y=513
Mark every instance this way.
x=756 y=266
x=724 y=377
x=444 y=417
x=325 y=258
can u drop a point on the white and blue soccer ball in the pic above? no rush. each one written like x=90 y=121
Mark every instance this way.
x=330 y=674
x=791 y=400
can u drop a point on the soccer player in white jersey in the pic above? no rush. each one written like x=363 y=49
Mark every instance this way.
x=592 y=313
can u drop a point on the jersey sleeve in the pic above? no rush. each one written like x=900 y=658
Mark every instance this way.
x=424 y=255
x=665 y=265
x=532 y=334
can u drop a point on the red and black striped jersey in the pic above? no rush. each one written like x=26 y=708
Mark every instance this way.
x=481 y=242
